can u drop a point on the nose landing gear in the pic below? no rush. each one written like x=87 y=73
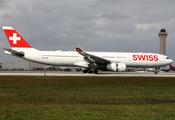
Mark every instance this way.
x=156 y=71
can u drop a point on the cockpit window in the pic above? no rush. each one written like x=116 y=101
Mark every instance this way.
x=167 y=58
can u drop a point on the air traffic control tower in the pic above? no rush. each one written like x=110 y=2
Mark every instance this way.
x=162 y=36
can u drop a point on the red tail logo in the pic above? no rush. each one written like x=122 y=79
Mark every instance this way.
x=171 y=67
x=14 y=38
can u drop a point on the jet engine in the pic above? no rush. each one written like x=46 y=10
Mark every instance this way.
x=116 y=67
x=111 y=66
x=121 y=67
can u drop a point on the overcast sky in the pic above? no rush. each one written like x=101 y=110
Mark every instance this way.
x=93 y=25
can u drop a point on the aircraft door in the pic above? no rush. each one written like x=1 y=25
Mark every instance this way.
x=130 y=58
x=160 y=59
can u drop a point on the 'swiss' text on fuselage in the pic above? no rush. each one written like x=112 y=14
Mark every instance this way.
x=145 y=57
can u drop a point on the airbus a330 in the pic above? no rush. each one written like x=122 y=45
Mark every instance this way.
x=91 y=61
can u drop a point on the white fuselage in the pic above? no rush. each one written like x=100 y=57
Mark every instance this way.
x=72 y=58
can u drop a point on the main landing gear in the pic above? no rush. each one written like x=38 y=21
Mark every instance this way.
x=90 y=71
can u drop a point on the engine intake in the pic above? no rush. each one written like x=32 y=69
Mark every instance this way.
x=111 y=66
x=116 y=67
x=121 y=67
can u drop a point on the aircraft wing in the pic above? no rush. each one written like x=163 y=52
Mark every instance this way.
x=15 y=53
x=92 y=59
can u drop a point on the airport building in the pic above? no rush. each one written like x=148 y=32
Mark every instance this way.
x=1 y=66
x=28 y=65
x=23 y=65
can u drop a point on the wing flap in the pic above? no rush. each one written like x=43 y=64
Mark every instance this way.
x=92 y=59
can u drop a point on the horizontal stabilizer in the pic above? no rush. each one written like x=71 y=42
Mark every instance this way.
x=15 y=53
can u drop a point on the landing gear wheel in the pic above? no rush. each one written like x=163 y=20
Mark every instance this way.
x=96 y=71
x=90 y=71
x=85 y=71
x=156 y=72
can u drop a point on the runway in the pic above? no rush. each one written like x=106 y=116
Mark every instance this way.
x=101 y=74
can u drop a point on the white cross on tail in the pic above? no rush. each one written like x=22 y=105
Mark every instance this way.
x=14 y=38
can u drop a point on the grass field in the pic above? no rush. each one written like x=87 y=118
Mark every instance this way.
x=91 y=98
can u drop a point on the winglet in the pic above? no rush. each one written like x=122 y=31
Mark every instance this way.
x=78 y=49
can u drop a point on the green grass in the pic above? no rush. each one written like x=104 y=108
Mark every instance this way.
x=77 y=98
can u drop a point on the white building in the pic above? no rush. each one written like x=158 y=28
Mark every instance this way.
x=23 y=65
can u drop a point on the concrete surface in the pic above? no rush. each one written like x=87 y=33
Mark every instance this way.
x=101 y=74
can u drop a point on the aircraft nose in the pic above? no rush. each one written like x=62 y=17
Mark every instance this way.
x=171 y=61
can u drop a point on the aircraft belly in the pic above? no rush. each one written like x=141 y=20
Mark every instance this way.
x=139 y=64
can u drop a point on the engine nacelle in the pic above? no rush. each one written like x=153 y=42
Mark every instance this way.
x=121 y=67
x=116 y=67
x=111 y=66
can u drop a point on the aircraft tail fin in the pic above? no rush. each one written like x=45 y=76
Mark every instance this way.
x=15 y=40
x=171 y=67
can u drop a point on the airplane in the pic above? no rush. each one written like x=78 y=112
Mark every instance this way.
x=171 y=67
x=91 y=61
